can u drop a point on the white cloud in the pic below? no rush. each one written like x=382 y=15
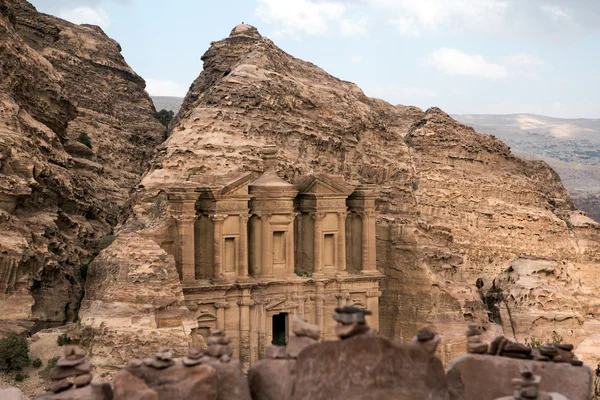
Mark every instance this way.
x=455 y=62
x=418 y=92
x=87 y=15
x=412 y=17
x=522 y=60
x=159 y=87
x=356 y=59
x=311 y=17
x=555 y=12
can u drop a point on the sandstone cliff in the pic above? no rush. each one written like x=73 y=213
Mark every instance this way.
x=454 y=205
x=60 y=199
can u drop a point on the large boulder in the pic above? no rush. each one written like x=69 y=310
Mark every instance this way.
x=484 y=377
x=272 y=379
x=368 y=367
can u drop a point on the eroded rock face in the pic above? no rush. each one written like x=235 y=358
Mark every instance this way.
x=454 y=206
x=59 y=201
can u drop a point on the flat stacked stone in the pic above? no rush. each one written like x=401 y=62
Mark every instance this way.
x=427 y=339
x=72 y=370
x=351 y=322
x=218 y=346
x=194 y=357
x=163 y=359
x=305 y=335
x=474 y=343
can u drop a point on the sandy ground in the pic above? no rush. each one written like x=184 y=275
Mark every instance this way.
x=44 y=346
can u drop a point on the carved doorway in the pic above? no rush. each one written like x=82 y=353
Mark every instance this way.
x=280 y=322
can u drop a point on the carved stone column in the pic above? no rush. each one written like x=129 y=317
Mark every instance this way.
x=221 y=307
x=341 y=242
x=185 y=240
x=218 y=220
x=318 y=243
x=320 y=307
x=289 y=247
x=267 y=245
x=369 y=263
x=373 y=306
x=242 y=270
x=244 y=305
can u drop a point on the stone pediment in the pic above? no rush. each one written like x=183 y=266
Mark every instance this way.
x=219 y=186
x=323 y=184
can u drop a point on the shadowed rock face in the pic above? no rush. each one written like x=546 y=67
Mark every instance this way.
x=453 y=205
x=59 y=199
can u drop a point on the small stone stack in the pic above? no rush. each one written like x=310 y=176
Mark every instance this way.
x=193 y=358
x=474 y=343
x=218 y=346
x=305 y=335
x=72 y=370
x=163 y=359
x=351 y=322
x=527 y=387
x=560 y=353
x=427 y=339
x=501 y=346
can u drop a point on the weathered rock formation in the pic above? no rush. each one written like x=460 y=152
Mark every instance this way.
x=454 y=206
x=59 y=198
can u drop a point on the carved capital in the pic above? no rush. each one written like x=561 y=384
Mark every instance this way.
x=299 y=298
x=367 y=213
x=319 y=297
x=222 y=304
x=184 y=217
x=245 y=302
x=244 y=218
x=218 y=217
x=343 y=214
x=345 y=296
x=374 y=293
x=318 y=216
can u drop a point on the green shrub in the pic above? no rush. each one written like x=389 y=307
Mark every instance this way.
x=19 y=377
x=51 y=364
x=303 y=274
x=164 y=117
x=533 y=342
x=37 y=363
x=85 y=139
x=63 y=340
x=14 y=353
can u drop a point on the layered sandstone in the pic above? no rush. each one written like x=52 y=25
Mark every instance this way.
x=454 y=206
x=60 y=199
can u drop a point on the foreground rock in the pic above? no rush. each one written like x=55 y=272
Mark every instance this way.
x=481 y=377
x=160 y=378
x=369 y=367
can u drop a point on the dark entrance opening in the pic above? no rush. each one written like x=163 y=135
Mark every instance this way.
x=280 y=329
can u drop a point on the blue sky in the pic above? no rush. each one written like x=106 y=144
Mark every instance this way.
x=464 y=56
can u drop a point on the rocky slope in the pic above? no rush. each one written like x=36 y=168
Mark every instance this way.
x=570 y=146
x=59 y=199
x=455 y=206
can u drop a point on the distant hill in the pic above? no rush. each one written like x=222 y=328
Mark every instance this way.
x=570 y=146
x=167 y=103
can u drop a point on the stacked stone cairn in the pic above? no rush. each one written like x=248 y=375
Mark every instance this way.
x=218 y=346
x=161 y=360
x=527 y=387
x=501 y=346
x=474 y=343
x=72 y=370
x=351 y=322
x=427 y=339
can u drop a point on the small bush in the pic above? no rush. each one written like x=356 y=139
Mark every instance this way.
x=164 y=117
x=19 y=377
x=37 y=363
x=14 y=353
x=533 y=342
x=51 y=364
x=303 y=274
x=85 y=139
x=63 y=340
